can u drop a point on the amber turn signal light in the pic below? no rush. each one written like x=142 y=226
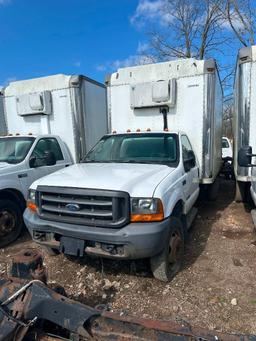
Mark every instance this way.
x=158 y=216
x=32 y=206
x=146 y=217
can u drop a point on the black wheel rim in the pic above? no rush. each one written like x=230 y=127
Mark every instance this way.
x=7 y=222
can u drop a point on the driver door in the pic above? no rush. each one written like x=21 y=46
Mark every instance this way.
x=40 y=168
x=190 y=178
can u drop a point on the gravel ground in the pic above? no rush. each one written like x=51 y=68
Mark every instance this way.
x=215 y=288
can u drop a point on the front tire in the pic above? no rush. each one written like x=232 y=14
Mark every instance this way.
x=11 y=222
x=167 y=264
x=243 y=192
x=213 y=190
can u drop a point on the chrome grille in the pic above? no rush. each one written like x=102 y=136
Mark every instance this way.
x=83 y=206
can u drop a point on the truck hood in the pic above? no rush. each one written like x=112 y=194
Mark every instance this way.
x=135 y=179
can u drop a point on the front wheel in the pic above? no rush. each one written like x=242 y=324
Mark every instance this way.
x=243 y=192
x=11 y=222
x=166 y=264
x=213 y=190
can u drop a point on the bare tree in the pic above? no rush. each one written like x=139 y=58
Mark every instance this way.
x=241 y=16
x=191 y=29
x=203 y=29
x=228 y=109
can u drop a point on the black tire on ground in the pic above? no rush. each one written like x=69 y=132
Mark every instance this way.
x=227 y=176
x=167 y=264
x=11 y=222
x=213 y=190
x=50 y=251
x=243 y=192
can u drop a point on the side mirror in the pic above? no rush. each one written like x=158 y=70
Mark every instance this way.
x=190 y=161
x=245 y=156
x=32 y=162
x=49 y=158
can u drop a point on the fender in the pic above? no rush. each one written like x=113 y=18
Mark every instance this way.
x=14 y=195
x=170 y=191
x=12 y=184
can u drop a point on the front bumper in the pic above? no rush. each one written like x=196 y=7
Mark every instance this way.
x=133 y=241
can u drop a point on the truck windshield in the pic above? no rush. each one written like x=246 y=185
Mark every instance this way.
x=14 y=149
x=136 y=148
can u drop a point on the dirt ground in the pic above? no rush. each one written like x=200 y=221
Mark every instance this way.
x=215 y=289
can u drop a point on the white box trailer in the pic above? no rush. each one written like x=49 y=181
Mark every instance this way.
x=46 y=124
x=244 y=121
x=70 y=106
x=134 y=194
x=191 y=92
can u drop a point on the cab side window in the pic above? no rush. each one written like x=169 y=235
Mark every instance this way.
x=189 y=160
x=186 y=147
x=43 y=146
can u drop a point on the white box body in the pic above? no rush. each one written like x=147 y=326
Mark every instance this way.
x=72 y=107
x=191 y=92
x=244 y=122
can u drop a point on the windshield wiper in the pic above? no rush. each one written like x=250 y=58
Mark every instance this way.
x=96 y=161
x=128 y=161
x=138 y=161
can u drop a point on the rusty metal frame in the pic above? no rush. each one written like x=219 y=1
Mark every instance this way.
x=29 y=308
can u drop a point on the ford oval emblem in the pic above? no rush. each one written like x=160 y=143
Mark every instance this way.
x=72 y=207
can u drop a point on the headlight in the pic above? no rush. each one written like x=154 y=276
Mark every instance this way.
x=32 y=195
x=146 y=209
x=31 y=203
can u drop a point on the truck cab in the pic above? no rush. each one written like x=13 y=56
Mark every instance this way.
x=46 y=124
x=129 y=197
x=24 y=159
x=227 y=150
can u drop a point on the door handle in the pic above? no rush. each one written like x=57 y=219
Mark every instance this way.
x=184 y=182
x=23 y=175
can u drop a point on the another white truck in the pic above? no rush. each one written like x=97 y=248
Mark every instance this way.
x=227 y=157
x=46 y=124
x=133 y=195
x=245 y=124
x=227 y=149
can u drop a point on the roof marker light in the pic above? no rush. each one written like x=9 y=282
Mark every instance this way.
x=30 y=134
x=166 y=129
x=17 y=134
x=148 y=129
x=138 y=130
x=128 y=130
x=114 y=132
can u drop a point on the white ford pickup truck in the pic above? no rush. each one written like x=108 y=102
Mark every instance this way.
x=133 y=195
x=46 y=125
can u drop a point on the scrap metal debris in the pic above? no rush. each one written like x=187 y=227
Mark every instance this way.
x=31 y=311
